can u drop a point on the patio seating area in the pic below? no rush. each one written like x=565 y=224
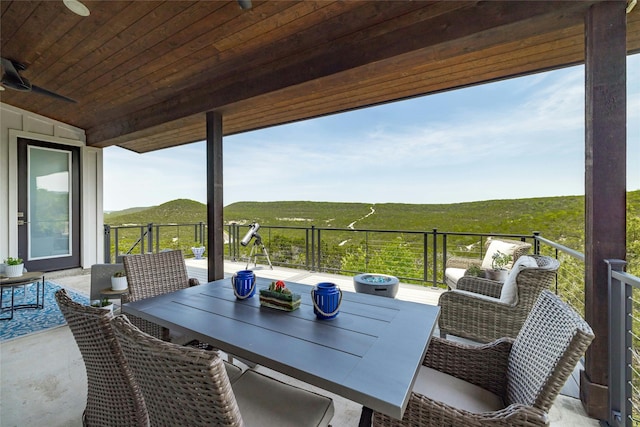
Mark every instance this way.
x=44 y=376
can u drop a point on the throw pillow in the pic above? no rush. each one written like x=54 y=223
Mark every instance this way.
x=509 y=293
x=495 y=246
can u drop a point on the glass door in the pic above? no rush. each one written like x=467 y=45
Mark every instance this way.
x=48 y=207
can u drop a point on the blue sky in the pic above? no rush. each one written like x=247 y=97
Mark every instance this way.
x=518 y=138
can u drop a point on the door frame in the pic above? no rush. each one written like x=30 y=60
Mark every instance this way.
x=72 y=260
x=12 y=196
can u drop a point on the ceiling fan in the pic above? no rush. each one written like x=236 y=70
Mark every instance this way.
x=13 y=80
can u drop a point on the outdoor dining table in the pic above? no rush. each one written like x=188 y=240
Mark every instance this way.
x=369 y=353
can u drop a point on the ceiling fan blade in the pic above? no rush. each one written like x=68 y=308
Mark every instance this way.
x=11 y=73
x=42 y=91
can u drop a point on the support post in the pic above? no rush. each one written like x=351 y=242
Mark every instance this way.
x=215 y=239
x=605 y=185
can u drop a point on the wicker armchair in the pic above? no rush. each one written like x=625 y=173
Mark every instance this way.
x=456 y=266
x=113 y=396
x=475 y=310
x=505 y=383
x=186 y=386
x=149 y=275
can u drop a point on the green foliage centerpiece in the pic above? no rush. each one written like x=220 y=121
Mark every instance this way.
x=280 y=297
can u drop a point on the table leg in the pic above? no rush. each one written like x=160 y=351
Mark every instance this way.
x=10 y=308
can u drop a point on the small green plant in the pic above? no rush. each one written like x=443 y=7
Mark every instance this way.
x=474 y=271
x=103 y=302
x=13 y=261
x=500 y=261
x=120 y=273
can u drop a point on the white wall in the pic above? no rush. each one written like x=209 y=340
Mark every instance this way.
x=15 y=123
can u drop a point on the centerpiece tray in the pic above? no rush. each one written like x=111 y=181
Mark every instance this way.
x=279 y=297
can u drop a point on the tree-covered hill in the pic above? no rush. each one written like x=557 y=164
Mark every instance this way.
x=558 y=218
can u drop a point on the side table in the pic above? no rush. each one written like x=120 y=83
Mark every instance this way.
x=36 y=277
x=108 y=292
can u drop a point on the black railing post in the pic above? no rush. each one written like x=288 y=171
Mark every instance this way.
x=313 y=248
x=306 y=248
x=619 y=347
x=157 y=238
x=107 y=244
x=536 y=243
x=116 y=240
x=236 y=241
x=434 y=255
x=319 y=251
x=425 y=257
x=366 y=251
x=150 y=236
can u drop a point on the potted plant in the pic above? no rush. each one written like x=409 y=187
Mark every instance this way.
x=119 y=281
x=198 y=250
x=103 y=303
x=475 y=271
x=14 y=267
x=498 y=269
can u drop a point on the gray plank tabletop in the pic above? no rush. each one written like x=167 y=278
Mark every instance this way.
x=370 y=353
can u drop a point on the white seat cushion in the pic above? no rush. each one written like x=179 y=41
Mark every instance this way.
x=452 y=275
x=267 y=402
x=455 y=392
x=509 y=293
x=495 y=246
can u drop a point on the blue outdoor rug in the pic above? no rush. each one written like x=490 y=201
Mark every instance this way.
x=30 y=320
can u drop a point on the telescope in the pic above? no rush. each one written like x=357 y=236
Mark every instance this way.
x=253 y=231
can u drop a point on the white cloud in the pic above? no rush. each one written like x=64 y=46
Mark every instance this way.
x=518 y=138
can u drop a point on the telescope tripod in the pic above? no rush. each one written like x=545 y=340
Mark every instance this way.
x=258 y=242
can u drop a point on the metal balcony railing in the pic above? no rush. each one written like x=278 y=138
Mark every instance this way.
x=415 y=257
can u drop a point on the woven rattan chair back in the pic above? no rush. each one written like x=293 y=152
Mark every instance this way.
x=113 y=396
x=521 y=248
x=149 y=275
x=155 y=274
x=548 y=347
x=183 y=386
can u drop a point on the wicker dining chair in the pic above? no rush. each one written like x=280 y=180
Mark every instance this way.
x=484 y=310
x=186 y=386
x=456 y=266
x=113 y=396
x=149 y=275
x=505 y=383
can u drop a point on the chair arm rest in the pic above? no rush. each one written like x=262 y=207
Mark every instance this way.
x=193 y=282
x=423 y=411
x=479 y=285
x=460 y=262
x=484 y=366
x=478 y=317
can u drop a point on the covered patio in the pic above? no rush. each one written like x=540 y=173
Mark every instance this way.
x=151 y=75
x=59 y=383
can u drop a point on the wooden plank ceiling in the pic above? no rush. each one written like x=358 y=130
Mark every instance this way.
x=144 y=73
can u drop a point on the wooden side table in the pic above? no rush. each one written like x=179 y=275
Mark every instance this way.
x=108 y=292
x=36 y=277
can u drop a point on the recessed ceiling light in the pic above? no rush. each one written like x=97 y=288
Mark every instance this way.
x=76 y=7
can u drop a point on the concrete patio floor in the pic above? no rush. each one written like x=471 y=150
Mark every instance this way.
x=43 y=381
